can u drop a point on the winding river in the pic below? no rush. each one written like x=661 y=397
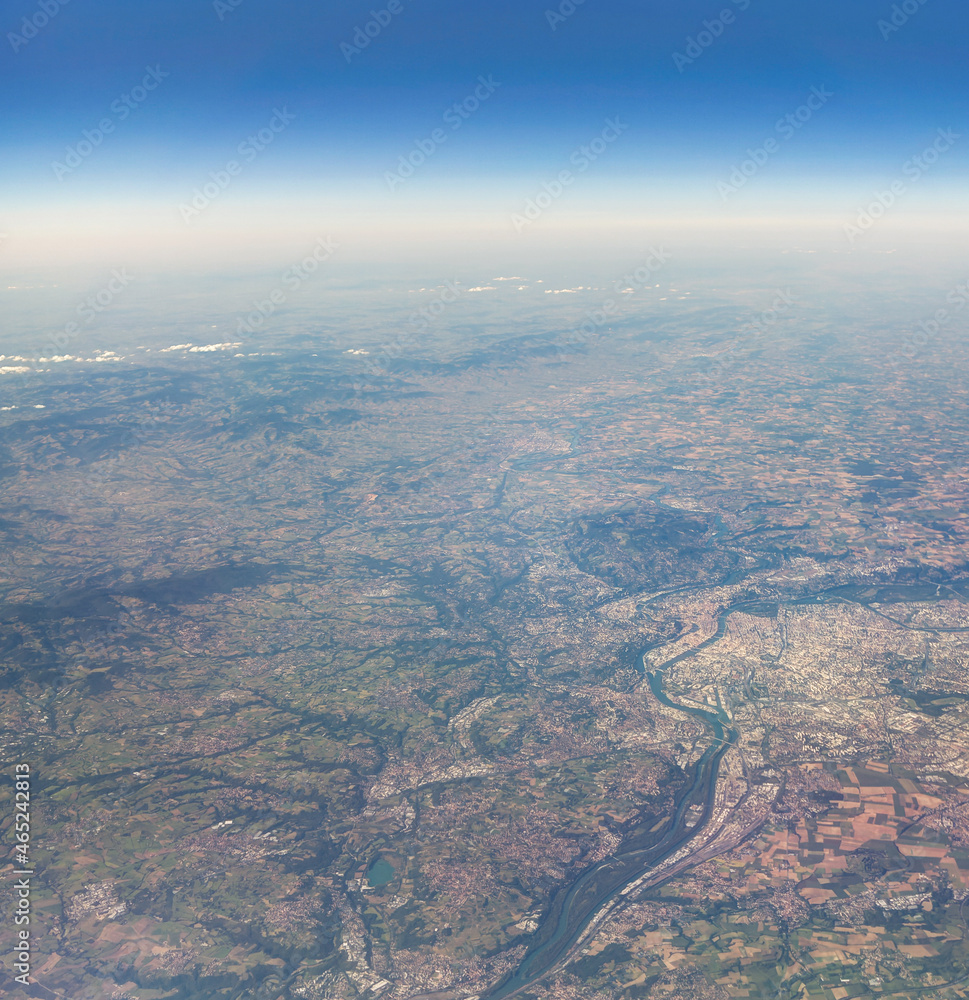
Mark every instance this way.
x=574 y=909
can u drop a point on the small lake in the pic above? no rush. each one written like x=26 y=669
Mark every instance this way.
x=380 y=873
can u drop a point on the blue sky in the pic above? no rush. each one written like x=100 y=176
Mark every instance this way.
x=688 y=124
